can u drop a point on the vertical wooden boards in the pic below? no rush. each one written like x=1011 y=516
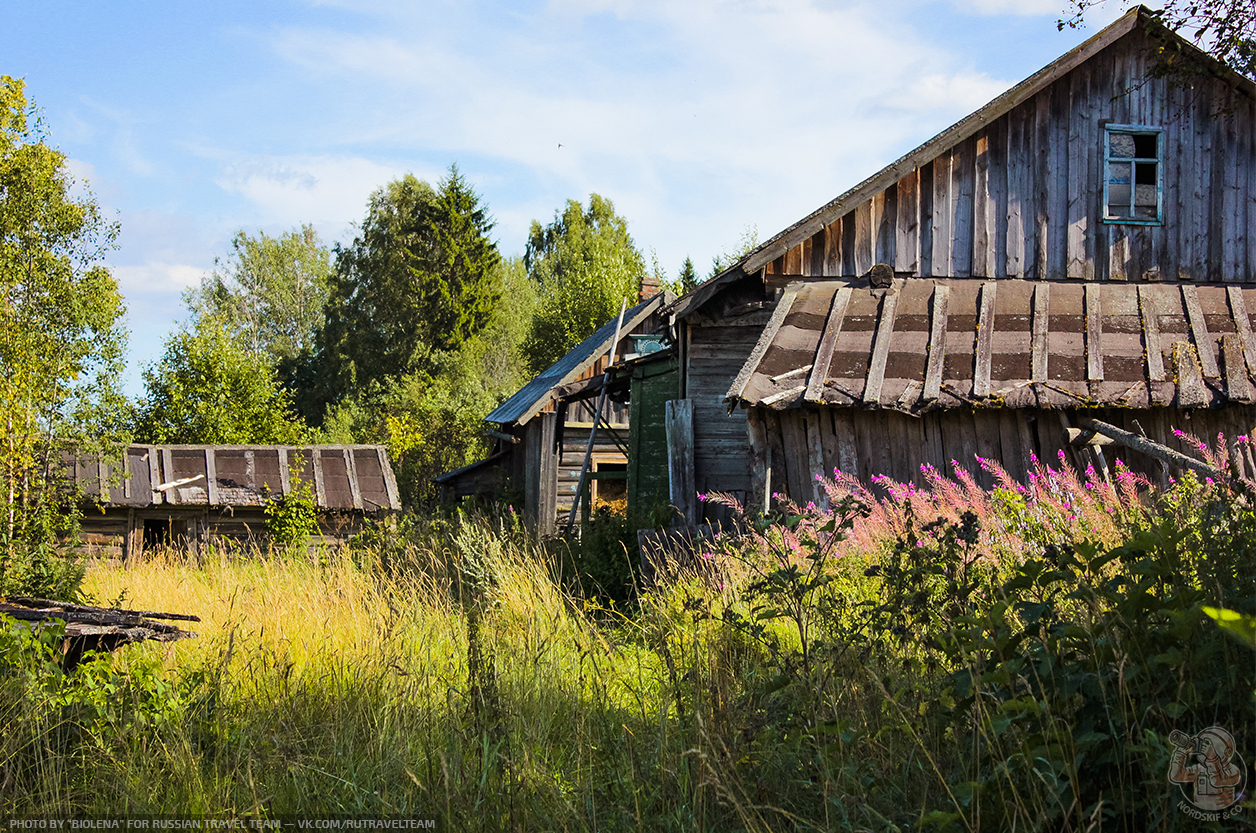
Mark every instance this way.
x=1199 y=329
x=833 y=248
x=937 y=342
x=942 y=228
x=778 y=465
x=1094 y=333
x=1041 y=329
x=847 y=447
x=547 y=471
x=881 y=346
x=1017 y=192
x=1151 y=334
x=925 y=234
x=963 y=172
x=863 y=237
x=680 y=473
x=1057 y=181
x=828 y=340
x=983 y=244
x=988 y=438
x=759 y=499
x=885 y=223
x=1083 y=179
x=907 y=246
x=1041 y=168
x=935 y=454
x=985 y=335
x=815 y=452
x=794 y=440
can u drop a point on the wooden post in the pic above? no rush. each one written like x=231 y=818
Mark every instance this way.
x=597 y=415
x=680 y=474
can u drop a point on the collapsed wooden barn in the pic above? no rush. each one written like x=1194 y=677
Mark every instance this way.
x=541 y=432
x=191 y=496
x=1070 y=251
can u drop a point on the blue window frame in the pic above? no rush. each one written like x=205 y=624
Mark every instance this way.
x=1133 y=181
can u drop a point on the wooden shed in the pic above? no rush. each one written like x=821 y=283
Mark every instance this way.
x=194 y=495
x=1081 y=247
x=542 y=431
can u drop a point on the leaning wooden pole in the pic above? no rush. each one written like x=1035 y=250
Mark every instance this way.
x=1152 y=448
x=597 y=415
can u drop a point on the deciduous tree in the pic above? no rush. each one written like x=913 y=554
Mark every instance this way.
x=584 y=264
x=61 y=337
x=208 y=388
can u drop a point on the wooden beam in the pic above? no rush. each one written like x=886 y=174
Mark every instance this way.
x=765 y=341
x=320 y=492
x=167 y=464
x=211 y=477
x=1237 y=384
x=1094 y=332
x=390 y=478
x=1199 y=329
x=881 y=346
x=985 y=335
x=678 y=422
x=285 y=479
x=1151 y=334
x=1243 y=325
x=1191 y=392
x=154 y=473
x=828 y=343
x=937 y=343
x=351 y=471
x=1042 y=329
x=1151 y=448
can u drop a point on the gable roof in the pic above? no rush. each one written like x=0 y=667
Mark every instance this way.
x=779 y=244
x=962 y=342
x=536 y=394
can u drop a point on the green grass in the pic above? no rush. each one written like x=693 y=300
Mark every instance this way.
x=445 y=671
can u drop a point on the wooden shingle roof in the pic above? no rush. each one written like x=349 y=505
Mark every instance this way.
x=340 y=477
x=927 y=344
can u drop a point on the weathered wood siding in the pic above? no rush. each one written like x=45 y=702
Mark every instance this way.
x=714 y=355
x=1023 y=196
x=791 y=447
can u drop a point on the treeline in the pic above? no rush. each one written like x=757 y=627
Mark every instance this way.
x=406 y=336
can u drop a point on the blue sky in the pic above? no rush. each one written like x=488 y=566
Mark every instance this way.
x=191 y=121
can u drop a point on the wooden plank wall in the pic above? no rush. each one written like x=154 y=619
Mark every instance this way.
x=1022 y=197
x=714 y=357
x=793 y=446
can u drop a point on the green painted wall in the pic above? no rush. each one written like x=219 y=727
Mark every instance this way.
x=653 y=385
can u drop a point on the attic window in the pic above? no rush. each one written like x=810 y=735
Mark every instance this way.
x=1132 y=191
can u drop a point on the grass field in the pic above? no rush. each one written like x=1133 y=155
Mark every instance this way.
x=898 y=669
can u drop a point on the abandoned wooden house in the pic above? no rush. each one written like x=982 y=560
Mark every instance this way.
x=189 y=496
x=1081 y=248
x=541 y=433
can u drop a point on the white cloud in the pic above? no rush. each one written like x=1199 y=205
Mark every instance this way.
x=1013 y=7
x=158 y=278
x=291 y=190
